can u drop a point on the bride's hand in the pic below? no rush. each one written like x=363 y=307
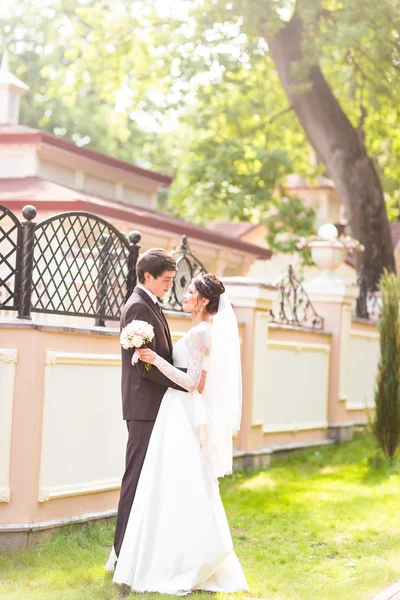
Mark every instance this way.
x=146 y=355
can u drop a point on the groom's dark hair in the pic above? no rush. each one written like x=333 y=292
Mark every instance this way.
x=155 y=261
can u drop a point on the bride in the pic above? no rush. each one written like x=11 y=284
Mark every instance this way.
x=177 y=538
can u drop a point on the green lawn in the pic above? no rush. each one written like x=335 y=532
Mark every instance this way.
x=323 y=525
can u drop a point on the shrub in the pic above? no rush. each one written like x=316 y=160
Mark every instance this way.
x=387 y=394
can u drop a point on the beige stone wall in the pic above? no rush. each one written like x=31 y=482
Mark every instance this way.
x=62 y=438
x=62 y=435
x=362 y=368
x=296 y=396
x=66 y=387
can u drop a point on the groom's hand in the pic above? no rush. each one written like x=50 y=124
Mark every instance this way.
x=202 y=382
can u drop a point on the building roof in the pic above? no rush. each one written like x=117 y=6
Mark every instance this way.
x=236 y=230
x=47 y=196
x=19 y=134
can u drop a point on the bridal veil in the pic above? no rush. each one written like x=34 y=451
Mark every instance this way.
x=223 y=388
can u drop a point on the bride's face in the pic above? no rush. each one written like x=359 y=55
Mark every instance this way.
x=192 y=301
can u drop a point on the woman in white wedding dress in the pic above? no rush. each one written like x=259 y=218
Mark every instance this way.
x=177 y=538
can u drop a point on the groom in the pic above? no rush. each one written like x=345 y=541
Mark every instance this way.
x=142 y=391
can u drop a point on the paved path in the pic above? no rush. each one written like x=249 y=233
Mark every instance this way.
x=393 y=593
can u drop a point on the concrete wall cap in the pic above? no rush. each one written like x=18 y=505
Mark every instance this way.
x=337 y=291
x=245 y=281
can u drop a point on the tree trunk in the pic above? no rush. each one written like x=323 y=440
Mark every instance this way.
x=337 y=142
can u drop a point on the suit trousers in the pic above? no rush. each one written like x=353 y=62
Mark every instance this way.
x=139 y=433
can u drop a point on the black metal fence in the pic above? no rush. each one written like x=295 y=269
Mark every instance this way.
x=368 y=302
x=73 y=263
x=76 y=264
x=10 y=259
x=188 y=266
x=295 y=307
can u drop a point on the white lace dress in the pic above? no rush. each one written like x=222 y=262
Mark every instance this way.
x=177 y=538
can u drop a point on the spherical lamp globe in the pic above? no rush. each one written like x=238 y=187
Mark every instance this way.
x=328 y=252
x=328 y=231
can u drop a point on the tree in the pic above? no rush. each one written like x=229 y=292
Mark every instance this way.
x=387 y=395
x=69 y=99
x=244 y=148
x=299 y=37
x=305 y=39
x=338 y=143
x=227 y=157
x=252 y=83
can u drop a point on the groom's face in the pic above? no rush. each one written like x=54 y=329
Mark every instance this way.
x=160 y=286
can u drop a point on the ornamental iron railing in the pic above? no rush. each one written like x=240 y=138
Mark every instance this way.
x=78 y=264
x=369 y=305
x=188 y=266
x=10 y=258
x=295 y=307
x=74 y=264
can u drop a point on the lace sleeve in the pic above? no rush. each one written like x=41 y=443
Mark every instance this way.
x=198 y=348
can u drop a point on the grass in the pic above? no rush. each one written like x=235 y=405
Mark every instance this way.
x=323 y=525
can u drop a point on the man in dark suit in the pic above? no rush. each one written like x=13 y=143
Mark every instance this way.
x=142 y=390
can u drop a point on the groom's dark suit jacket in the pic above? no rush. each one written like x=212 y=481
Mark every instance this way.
x=142 y=390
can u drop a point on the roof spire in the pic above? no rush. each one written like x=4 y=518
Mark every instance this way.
x=4 y=68
x=11 y=88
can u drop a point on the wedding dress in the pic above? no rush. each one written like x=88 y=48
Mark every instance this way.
x=177 y=538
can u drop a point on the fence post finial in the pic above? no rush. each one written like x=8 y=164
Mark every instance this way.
x=134 y=248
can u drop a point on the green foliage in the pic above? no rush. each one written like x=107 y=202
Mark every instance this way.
x=323 y=525
x=75 y=97
x=227 y=181
x=247 y=139
x=387 y=396
x=290 y=220
x=198 y=95
x=345 y=40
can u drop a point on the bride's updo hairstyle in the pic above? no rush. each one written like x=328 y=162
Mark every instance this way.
x=210 y=288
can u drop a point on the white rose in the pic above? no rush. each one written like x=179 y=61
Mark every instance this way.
x=137 y=341
x=136 y=333
x=149 y=332
x=124 y=339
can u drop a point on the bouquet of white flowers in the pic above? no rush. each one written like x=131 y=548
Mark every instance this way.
x=136 y=335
